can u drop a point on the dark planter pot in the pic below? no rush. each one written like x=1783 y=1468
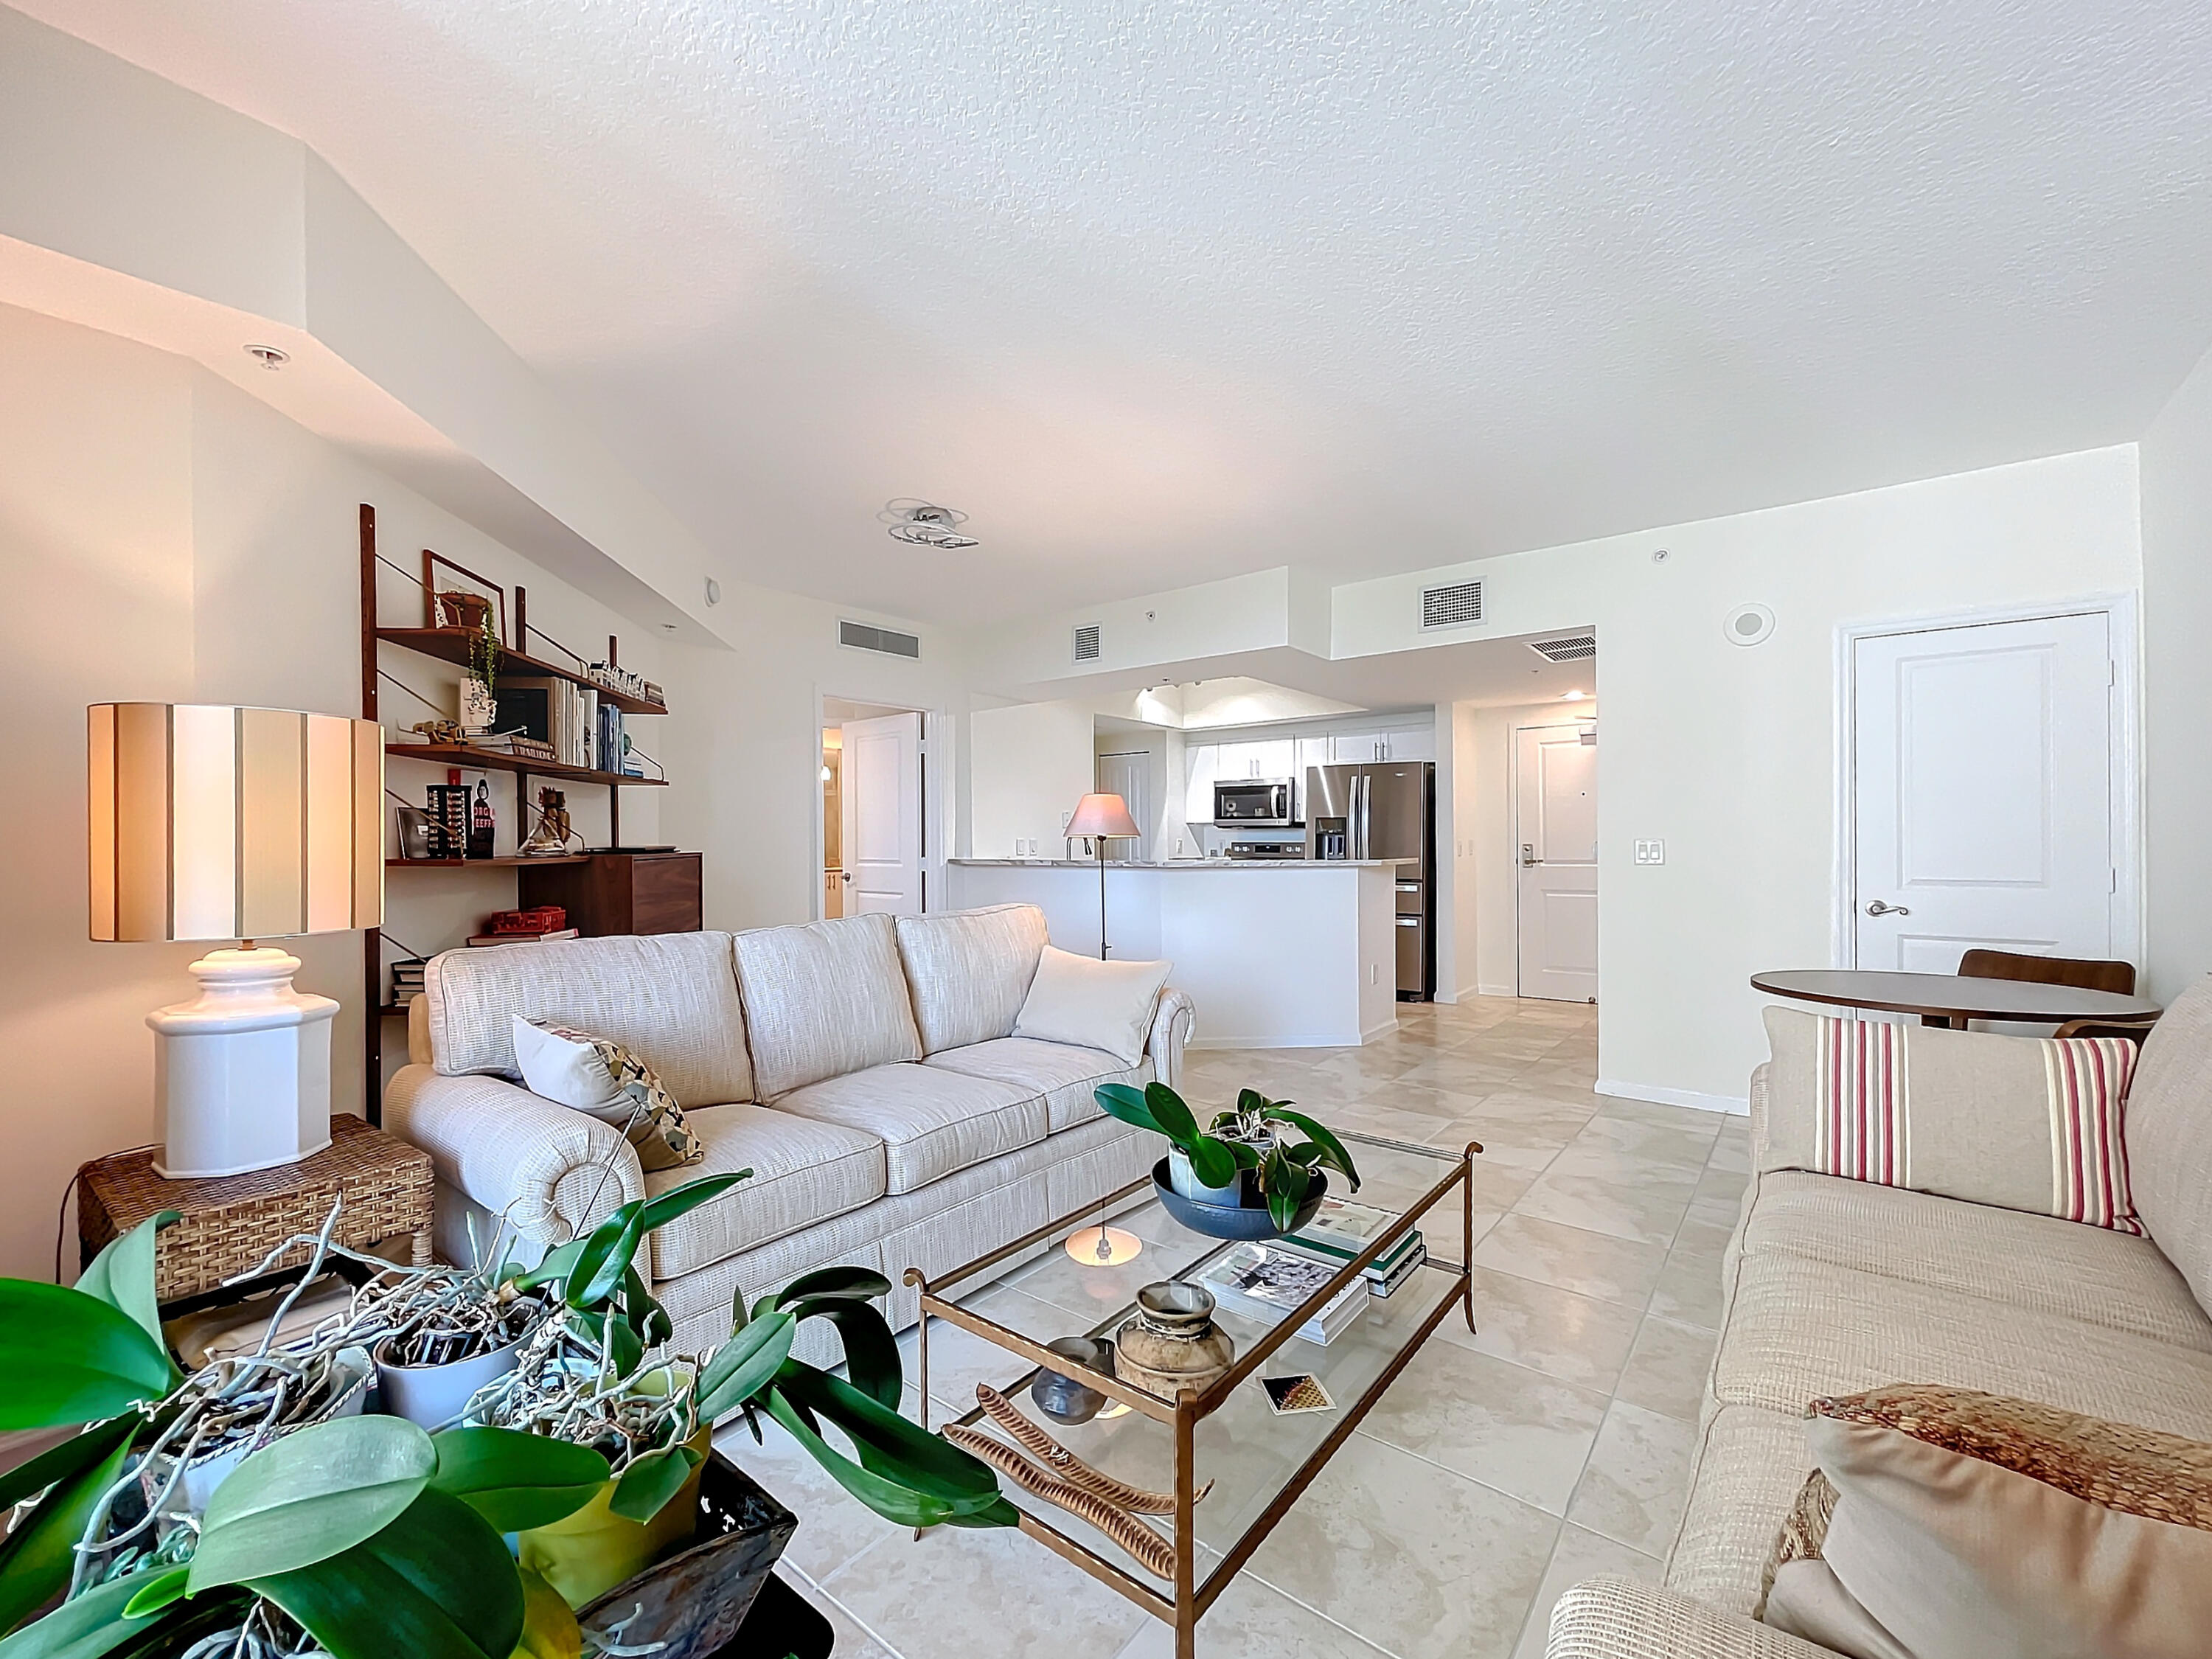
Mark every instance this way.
x=1246 y=1219
x=693 y=1601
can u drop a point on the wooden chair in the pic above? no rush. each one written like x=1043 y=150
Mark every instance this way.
x=2083 y=974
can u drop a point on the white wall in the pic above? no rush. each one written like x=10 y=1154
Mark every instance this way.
x=1030 y=763
x=2176 y=556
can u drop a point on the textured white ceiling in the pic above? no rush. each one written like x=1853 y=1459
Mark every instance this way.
x=1163 y=290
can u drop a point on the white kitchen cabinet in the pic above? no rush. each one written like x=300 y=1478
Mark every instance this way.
x=1412 y=744
x=1310 y=751
x=1355 y=746
x=1272 y=758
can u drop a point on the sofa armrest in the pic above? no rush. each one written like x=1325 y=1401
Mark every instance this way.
x=1171 y=1025
x=552 y=1172
x=1621 y=1619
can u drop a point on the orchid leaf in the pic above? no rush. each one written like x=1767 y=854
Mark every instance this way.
x=36 y=1560
x=648 y=1484
x=682 y=1200
x=747 y=1364
x=122 y=1276
x=1334 y=1155
x=1119 y=1100
x=872 y=1355
x=311 y=1496
x=71 y=1358
x=516 y=1480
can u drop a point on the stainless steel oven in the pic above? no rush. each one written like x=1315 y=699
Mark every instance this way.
x=1254 y=803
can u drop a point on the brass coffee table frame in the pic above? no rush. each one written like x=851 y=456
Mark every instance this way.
x=1188 y=1602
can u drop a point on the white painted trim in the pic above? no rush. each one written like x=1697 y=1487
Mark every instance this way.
x=938 y=758
x=1738 y=1105
x=2123 y=638
x=1333 y=1040
x=1496 y=991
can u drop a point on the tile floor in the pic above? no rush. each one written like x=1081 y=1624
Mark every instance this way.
x=1500 y=1468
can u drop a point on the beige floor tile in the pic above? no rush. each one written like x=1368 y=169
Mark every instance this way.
x=1637 y=1479
x=1625 y=1208
x=1579 y=1555
x=1590 y=1264
x=1576 y=1339
x=1666 y=1368
x=1516 y=1430
x=1689 y=1291
x=1722 y=1187
x=1422 y=1562
x=851 y=1639
x=958 y=1360
x=954 y=1592
x=1252 y=1621
x=833 y=1526
x=1687 y=1148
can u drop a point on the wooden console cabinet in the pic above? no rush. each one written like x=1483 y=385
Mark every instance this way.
x=620 y=892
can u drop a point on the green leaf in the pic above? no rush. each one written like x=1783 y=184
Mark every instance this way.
x=36 y=1560
x=80 y=1451
x=93 y=1624
x=1250 y=1101
x=122 y=1276
x=681 y=1201
x=747 y=1364
x=70 y=1358
x=1247 y=1155
x=649 y=1483
x=558 y=1264
x=516 y=1480
x=1212 y=1161
x=311 y=1496
x=1119 y=1100
x=168 y=1586
x=843 y=1281
x=436 y=1583
x=872 y=1355
x=1334 y=1154
x=887 y=1444
x=898 y=1504
x=605 y=1256
x=550 y=1630
x=1286 y=1183
x=624 y=1351
x=1171 y=1115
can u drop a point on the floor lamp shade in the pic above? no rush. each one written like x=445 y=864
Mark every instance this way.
x=217 y=823
x=1104 y=818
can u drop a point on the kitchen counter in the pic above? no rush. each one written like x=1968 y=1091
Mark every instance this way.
x=1308 y=961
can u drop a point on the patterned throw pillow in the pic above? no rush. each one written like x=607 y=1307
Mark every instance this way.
x=2028 y=1123
x=607 y=1082
x=1943 y=1523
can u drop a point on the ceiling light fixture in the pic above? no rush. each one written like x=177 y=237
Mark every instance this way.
x=269 y=357
x=925 y=524
x=1573 y=696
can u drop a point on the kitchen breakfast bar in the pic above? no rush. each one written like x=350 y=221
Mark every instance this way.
x=1277 y=954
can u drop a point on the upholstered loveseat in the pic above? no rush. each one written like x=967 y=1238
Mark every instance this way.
x=1834 y=1285
x=863 y=1069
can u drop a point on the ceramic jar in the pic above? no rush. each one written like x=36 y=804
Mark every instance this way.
x=1063 y=1399
x=1173 y=1343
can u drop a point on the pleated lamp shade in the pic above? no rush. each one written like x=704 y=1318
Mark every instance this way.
x=1104 y=816
x=215 y=822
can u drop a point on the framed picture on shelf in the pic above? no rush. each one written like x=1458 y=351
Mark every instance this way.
x=454 y=596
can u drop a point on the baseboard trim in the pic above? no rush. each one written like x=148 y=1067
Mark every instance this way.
x=1737 y=1105
x=1497 y=990
x=1329 y=1040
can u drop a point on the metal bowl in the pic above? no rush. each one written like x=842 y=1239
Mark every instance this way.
x=1247 y=1220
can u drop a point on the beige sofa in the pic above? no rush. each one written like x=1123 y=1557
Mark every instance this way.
x=864 y=1070
x=1834 y=1286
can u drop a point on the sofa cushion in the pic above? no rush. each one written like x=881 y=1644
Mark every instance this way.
x=2090 y=1274
x=1067 y=1077
x=969 y=971
x=670 y=998
x=823 y=999
x=2169 y=1135
x=804 y=1170
x=1092 y=1003
x=1798 y=1329
x=1750 y=1463
x=931 y=1120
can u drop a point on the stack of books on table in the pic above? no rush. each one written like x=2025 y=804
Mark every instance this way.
x=407 y=981
x=1264 y=1282
x=1340 y=1229
x=483 y=941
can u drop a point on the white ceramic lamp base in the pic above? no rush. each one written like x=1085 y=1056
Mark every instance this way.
x=242 y=1075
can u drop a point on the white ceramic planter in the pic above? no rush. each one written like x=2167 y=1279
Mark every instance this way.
x=202 y=1479
x=434 y=1396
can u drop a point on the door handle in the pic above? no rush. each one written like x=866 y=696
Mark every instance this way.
x=1877 y=909
x=845 y=875
x=1409 y=921
x=1528 y=853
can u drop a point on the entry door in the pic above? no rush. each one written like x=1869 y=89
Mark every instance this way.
x=1129 y=776
x=1555 y=836
x=1983 y=773
x=881 y=794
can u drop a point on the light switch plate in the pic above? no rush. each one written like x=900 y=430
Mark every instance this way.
x=1650 y=851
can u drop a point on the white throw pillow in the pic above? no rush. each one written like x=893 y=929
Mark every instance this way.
x=1093 y=1003
x=565 y=1069
x=606 y=1081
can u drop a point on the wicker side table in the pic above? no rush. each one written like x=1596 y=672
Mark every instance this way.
x=231 y=1222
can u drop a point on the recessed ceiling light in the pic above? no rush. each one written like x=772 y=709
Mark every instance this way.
x=269 y=357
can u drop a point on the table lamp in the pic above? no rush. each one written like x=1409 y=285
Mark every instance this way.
x=215 y=822
x=1103 y=818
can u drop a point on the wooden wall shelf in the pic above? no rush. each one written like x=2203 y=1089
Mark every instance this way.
x=452 y=645
x=512 y=862
x=486 y=760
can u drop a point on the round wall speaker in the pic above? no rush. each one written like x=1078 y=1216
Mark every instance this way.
x=1748 y=624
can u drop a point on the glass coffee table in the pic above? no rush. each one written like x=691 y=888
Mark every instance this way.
x=1225 y=1465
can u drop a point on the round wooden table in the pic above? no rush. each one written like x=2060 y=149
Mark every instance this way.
x=1951 y=999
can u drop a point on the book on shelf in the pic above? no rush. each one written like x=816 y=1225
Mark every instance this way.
x=1343 y=1229
x=483 y=940
x=1263 y=1282
x=1383 y=1275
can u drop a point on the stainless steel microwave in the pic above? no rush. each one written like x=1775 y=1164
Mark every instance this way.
x=1255 y=803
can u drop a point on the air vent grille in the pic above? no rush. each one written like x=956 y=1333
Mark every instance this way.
x=1086 y=642
x=1451 y=607
x=864 y=636
x=1573 y=647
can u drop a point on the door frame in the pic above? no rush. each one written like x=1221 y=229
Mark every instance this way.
x=1513 y=844
x=936 y=772
x=2124 y=637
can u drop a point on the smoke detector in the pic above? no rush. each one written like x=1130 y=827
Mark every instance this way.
x=925 y=524
x=269 y=357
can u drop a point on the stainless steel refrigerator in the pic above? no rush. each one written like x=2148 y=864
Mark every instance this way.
x=1385 y=809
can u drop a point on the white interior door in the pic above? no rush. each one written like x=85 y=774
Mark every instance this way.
x=1984 y=775
x=1130 y=776
x=1555 y=837
x=881 y=795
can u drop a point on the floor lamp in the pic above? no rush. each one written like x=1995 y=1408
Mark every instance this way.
x=1102 y=818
